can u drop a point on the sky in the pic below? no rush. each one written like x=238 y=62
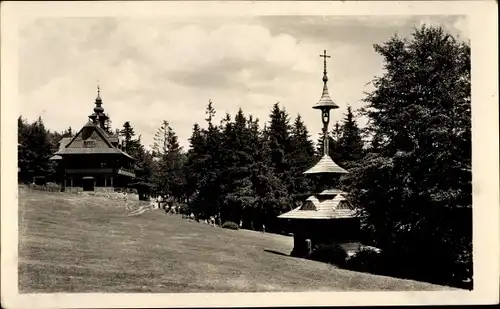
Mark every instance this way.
x=155 y=69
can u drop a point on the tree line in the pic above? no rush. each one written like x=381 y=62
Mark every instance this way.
x=235 y=169
x=409 y=167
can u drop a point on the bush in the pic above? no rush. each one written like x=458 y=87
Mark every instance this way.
x=230 y=225
x=329 y=253
x=429 y=265
x=53 y=186
x=50 y=186
x=184 y=209
x=366 y=260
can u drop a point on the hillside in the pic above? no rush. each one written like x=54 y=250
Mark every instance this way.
x=74 y=243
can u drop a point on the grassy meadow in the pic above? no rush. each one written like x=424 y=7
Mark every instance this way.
x=75 y=243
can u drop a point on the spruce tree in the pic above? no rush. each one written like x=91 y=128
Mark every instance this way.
x=301 y=158
x=376 y=143
x=169 y=176
x=160 y=142
x=107 y=125
x=128 y=134
x=208 y=200
x=350 y=143
x=36 y=148
x=278 y=140
x=249 y=190
x=237 y=155
x=276 y=178
x=174 y=160
x=67 y=133
x=334 y=147
x=143 y=166
x=195 y=165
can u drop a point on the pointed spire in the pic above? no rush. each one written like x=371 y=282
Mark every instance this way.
x=325 y=103
x=98 y=98
x=98 y=102
x=98 y=116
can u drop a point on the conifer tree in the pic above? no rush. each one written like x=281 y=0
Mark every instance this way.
x=249 y=189
x=278 y=139
x=301 y=158
x=67 y=133
x=376 y=143
x=160 y=142
x=350 y=143
x=208 y=200
x=107 y=125
x=320 y=144
x=143 y=166
x=232 y=172
x=195 y=165
x=36 y=148
x=174 y=160
x=128 y=134
x=169 y=176
x=275 y=179
x=334 y=149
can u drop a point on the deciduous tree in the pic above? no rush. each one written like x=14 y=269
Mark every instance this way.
x=415 y=191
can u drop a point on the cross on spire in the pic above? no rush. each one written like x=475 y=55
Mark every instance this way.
x=325 y=78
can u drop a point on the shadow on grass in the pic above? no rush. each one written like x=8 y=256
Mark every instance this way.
x=277 y=252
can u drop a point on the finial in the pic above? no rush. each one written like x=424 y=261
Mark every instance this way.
x=325 y=77
x=325 y=102
x=98 y=92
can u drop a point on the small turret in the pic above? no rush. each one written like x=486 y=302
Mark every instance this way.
x=325 y=103
x=325 y=172
x=98 y=116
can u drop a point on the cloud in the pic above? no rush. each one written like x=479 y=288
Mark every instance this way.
x=157 y=69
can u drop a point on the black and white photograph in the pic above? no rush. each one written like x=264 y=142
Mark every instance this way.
x=249 y=153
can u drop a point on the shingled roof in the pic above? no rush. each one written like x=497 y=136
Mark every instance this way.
x=314 y=208
x=332 y=192
x=64 y=141
x=103 y=140
x=325 y=165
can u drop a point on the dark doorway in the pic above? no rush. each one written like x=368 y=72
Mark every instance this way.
x=88 y=183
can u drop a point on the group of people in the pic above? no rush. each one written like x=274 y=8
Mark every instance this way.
x=210 y=221
x=159 y=203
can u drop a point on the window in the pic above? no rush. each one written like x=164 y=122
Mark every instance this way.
x=88 y=144
x=308 y=205
x=343 y=205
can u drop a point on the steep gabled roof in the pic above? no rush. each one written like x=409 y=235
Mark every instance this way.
x=64 y=141
x=103 y=142
x=101 y=135
x=314 y=208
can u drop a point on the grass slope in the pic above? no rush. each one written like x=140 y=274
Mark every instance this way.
x=72 y=243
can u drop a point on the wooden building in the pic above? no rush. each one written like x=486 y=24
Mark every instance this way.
x=93 y=160
x=325 y=216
